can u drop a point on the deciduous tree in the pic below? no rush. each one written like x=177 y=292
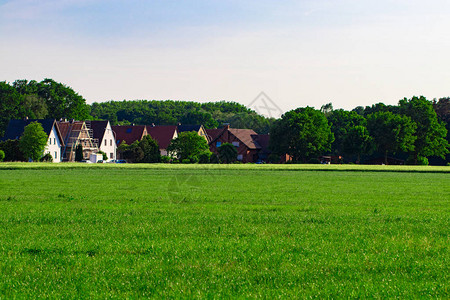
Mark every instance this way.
x=33 y=141
x=188 y=145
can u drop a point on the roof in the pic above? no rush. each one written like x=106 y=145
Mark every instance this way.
x=214 y=133
x=183 y=128
x=162 y=134
x=16 y=127
x=98 y=129
x=263 y=140
x=128 y=133
x=246 y=137
x=66 y=128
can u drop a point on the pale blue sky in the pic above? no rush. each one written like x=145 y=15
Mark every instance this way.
x=298 y=52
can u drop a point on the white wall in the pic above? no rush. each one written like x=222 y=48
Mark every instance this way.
x=108 y=144
x=53 y=146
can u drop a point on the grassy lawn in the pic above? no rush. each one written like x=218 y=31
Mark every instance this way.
x=97 y=231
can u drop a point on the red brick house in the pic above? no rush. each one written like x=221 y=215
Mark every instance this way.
x=163 y=135
x=129 y=133
x=245 y=141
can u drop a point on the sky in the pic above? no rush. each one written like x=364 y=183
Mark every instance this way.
x=299 y=53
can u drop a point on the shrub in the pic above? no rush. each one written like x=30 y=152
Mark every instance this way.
x=204 y=157
x=214 y=159
x=2 y=155
x=165 y=159
x=186 y=161
x=46 y=158
x=104 y=155
x=421 y=161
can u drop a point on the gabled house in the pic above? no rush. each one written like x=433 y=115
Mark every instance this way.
x=54 y=142
x=163 y=135
x=103 y=133
x=201 y=131
x=243 y=139
x=129 y=133
x=77 y=133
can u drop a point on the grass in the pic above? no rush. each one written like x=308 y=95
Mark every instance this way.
x=100 y=231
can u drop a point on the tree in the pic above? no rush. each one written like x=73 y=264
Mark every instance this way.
x=357 y=141
x=79 y=153
x=150 y=150
x=227 y=153
x=430 y=134
x=326 y=109
x=302 y=133
x=391 y=133
x=188 y=145
x=341 y=122
x=33 y=141
x=104 y=155
x=2 y=155
x=10 y=101
x=12 y=150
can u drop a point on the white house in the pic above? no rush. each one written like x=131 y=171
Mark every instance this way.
x=103 y=133
x=54 y=142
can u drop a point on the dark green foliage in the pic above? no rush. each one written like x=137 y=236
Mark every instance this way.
x=165 y=159
x=2 y=155
x=314 y=161
x=188 y=145
x=303 y=133
x=46 y=158
x=391 y=133
x=430 y=134
x=150 y=150
x=33 y=141
x=419 y=160
x=214 y=159
x=79 y=153
x=341 y=122
x=10 y=101
x=205 y=157
x=357 y=141
x=227 y=153
x=12 y=150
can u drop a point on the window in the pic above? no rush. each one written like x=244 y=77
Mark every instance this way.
x=239 y=157
x=106 y=142
x=129 y=130
x=111 y=155
x=56 y=155
x=54 y=141
x=110 y=142
x=236 y=144
x=218 y=144
x=50 y=141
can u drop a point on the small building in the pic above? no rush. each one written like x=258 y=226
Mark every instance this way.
x=244 y=140
x=201 y=131
x=129 y=133
x=103 y=133
x=163 y=135
x=55 y=142
x=77 y=133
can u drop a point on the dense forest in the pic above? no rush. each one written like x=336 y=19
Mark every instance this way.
x=419 y=127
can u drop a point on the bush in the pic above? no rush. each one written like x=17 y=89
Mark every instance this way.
x=421 y=161
x=186 y=161
x=104 y=155
x=165 y=159
x=214 y=159
x=204 y=157
x=46 y=158
x=2 y=155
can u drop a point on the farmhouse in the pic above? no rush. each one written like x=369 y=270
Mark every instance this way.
x=76 y=133
x=163 y=135
x=103 y=133
x=54 y=142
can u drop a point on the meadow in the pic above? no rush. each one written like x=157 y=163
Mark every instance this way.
x=214 y=231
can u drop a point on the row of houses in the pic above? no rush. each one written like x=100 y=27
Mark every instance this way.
x=65 y=135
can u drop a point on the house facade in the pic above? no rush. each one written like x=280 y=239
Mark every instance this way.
x=55 y=141
x=103 y=133
x=245 y=141
x=76 y=133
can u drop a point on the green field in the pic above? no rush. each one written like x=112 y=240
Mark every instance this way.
x=100 y=231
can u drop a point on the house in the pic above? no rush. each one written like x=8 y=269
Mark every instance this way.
x=103 y=133
x=76 y=133
x=264 y=154
x=54 y=142
x=243 y=139
x=201 y=131
x=163 y=135
x=129 y=133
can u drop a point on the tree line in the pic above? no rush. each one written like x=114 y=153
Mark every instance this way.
x=417 y=127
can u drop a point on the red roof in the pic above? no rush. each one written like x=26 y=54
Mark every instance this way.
x=214 y=133
x=129 y=133
x=66 y=127
x=162 y=134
